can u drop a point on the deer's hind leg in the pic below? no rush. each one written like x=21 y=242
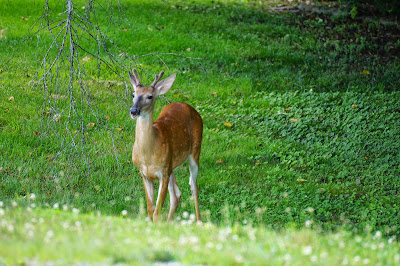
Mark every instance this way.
x=194 y=171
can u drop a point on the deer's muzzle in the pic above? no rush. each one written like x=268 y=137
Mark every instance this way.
x=134 y=112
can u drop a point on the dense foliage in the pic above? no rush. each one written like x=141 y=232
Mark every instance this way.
x=384 y=7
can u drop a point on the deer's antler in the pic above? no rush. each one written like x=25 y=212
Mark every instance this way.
x=136 y=77
x=157 y=79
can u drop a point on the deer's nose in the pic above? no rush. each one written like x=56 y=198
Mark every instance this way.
x=134 y=111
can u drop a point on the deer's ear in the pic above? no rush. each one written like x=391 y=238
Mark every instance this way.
x=165 y=85
x=134 y=79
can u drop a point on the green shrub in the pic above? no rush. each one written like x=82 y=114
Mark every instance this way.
x=384 y=7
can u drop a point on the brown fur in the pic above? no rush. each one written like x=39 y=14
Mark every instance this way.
x=162 y=146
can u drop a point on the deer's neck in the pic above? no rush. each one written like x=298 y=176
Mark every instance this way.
x=145 y=135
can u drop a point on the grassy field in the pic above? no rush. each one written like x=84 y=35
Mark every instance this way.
x=301 y=114
x=66 y=237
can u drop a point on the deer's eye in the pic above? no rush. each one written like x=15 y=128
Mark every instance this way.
x=150 y=97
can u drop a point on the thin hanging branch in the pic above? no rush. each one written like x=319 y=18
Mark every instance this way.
x=69 y=110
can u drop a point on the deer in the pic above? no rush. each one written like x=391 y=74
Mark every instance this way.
x=163 y=145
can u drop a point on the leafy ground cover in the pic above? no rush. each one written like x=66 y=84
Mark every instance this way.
x=301 y=114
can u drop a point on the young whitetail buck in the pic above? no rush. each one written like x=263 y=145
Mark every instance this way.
x=160 y=147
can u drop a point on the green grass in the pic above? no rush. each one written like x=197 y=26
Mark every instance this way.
x=66 y=237
x=315 y=118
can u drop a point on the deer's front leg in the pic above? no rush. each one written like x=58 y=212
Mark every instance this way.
x=174 y=196
x=162 y=192
x=149 y=188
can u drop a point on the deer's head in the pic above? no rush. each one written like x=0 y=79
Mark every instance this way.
x=145 y=97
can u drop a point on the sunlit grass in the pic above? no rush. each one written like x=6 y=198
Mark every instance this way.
x=62 y=235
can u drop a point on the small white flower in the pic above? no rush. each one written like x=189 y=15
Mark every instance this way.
x=378 y=234
x=252 y=234
x=2 y=212
x=78 y=224
x=308 y=223
x=239 y=259
x=32 y=196
x=14 y=204
x=307 y=250
x=219 y=246
x=287 y=257
x=356 y=259
x=324 y=255
x=65 y=225
x=192 y=217
x=75 y=210
x=1 y=204
x=28 y=226
x=183 y=240
x=65 y=207
x=192 y=240
x=48 y=236
x=56 y=117
x=210 y=245
x=313 y=259
x=128 y=198
x=310 y=209
x=10 y=228
x=56 y=205
x=33 y=205
x=185 y=214
x=366 y=261
x=124 y=212
x=30 y=233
